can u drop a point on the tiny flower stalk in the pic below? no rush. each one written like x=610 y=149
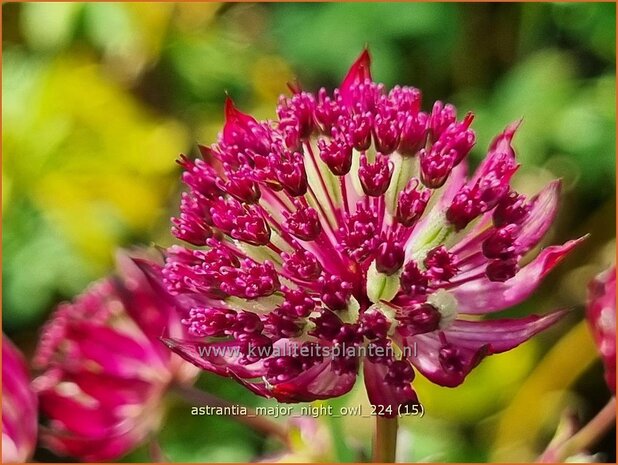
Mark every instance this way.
x=570 y=441
x=350 y=222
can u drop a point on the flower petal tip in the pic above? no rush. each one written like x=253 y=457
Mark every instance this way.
x=359 y=71
x=514 y=126
x=295 y=86
x=230 y=108
x=575 y=242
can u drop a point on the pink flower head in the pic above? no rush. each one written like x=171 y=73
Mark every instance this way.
x=362 y=243
x=19 y=407
x=601 y=315
x=105 y=368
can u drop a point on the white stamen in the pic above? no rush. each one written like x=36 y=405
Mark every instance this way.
x=446 y=304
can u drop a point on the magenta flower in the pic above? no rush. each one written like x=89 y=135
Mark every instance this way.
x=601 y=315
x=105 y=369
x=19 y=407
x=345 y=233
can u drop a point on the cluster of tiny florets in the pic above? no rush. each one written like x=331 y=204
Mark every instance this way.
x=297 y=223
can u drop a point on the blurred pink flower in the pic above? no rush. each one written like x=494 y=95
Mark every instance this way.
x=601 y=314
x=105 y=368
x=347 y=224
x=19 y=406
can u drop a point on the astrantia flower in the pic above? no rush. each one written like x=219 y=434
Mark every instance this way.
x=601 y=315
x=349 y=222
x=19 y=407
x=105 y=369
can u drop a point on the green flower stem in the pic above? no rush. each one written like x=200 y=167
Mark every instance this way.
x=259 y=423
x=385 y=440
x=155 y=451
x=342 y=452
x=591 y=433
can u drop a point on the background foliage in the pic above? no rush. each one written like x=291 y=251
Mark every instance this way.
x=100 y=98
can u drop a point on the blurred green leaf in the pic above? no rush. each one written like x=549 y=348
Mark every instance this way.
x=50 y=26
x=206 y=439
x=328 y=47
x=39 y=266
